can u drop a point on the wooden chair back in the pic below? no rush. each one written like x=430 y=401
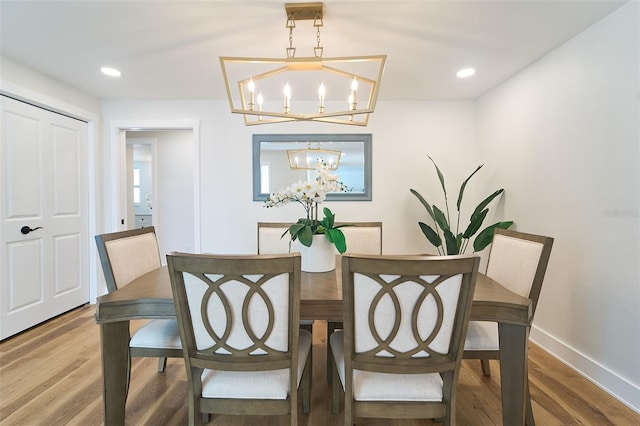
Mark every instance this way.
x=363 y=237
x=126 y=255
x=271 y=241
x=405 y=315
x=238 y=314
x=519 y=262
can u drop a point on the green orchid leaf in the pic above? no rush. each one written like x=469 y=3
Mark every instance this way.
x=450 y=240
x=485 y=237
x=464 y=184
x=431 y=235
x=459 y=242
x=424 y=203
x=475 y=223
x=486 y=202
x=337 y=238
x=440 y=218
x=294 y=230
x=440 y=177
x=328 y=219
x=305 y=235
x=342 y=226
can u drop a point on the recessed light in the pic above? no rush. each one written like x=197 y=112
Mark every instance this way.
x=466 y=72
x=112 y=72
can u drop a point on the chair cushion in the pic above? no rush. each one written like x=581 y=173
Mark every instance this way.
x=158 y=333
x=234 y=291
x=406 y=293
x=363 y=239
x=132 y=257
x=513 y=262
x=482 y=336
x=255 y=384
x=368 y=386
x=271 y=241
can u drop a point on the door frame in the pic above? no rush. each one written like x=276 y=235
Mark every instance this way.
x=116 y=182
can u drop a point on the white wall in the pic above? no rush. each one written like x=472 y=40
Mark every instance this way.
x=403 y=135
x=563 y=136
x=35 y=86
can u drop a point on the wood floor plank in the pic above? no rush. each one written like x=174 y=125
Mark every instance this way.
x=51 y=375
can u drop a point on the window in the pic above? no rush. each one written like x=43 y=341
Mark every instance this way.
x=136 y=186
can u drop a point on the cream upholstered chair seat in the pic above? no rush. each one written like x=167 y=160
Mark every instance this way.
x=238 y=320
x=262 y=384
x=405 y=319
x=125 y=256
x=482 y=336
x=158 y=333
x=372 y=386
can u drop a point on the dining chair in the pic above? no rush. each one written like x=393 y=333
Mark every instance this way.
x=518 y=261
x=405 y=319
x=125 y=256
x=238 y=319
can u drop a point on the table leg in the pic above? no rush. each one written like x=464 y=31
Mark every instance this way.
x=115 y=365
x=513 y=372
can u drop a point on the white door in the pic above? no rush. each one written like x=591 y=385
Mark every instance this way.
x=44 y=227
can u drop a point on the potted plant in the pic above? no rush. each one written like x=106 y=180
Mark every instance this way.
x=456 y=242
x=310 y=195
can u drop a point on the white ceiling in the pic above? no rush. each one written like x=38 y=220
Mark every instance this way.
x=170 y=49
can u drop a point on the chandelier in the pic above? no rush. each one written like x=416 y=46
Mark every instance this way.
x=306 y=159
x=341 y=90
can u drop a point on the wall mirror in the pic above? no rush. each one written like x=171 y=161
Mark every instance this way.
x=275 y=169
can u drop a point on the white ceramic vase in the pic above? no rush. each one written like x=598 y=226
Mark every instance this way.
x=320 y=257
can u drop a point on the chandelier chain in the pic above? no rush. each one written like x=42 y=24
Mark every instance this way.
x=291 y=24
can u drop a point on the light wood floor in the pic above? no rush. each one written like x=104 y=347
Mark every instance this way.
x=51 y=375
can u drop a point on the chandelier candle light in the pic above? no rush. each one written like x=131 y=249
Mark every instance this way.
x=321 y=82
x=309 y=157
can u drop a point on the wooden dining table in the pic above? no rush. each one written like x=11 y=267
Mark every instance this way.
x=150 y=296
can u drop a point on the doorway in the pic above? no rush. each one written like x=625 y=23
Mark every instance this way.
x=160 y=189
x=175 y=181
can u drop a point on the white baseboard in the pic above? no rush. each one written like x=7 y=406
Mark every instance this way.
x=615 y=385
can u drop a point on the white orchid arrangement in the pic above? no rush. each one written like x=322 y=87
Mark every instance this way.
x=310 y=195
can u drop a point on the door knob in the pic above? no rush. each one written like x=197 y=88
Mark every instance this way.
x=25 y=229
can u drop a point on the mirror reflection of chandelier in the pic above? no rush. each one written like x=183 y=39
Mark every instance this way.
x=306 y=159
x=340 y=90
